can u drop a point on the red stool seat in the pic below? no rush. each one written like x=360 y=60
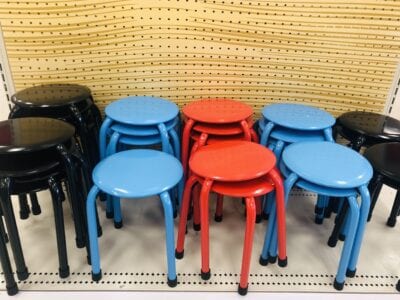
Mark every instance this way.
x=239 y=169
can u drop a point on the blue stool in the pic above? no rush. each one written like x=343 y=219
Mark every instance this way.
x=134 y=174
x=140 y=121
x=335 y=171
x=284 y=124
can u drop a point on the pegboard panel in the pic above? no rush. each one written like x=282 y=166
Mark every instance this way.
x=338 y=55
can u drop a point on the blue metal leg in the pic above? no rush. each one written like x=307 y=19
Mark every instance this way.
x=268 y=202
x=265 y=133
x=92 y=231
x=328 y=135
x=270 y=241
x=353 y=214
x=278 y=151
x=176 y=143
x=170 y=241
x=364 y=210
x=103 y=137
x=166 y=146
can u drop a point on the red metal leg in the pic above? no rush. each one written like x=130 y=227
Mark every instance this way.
x=183 y=216
x=254 y=136
x=219 y=208
x=185 y=144
x=276 y=178
x=205 y=247
x=246 y=130
x=248 y=244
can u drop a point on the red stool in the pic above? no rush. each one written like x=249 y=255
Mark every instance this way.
x=238 y=169
x=217 y=117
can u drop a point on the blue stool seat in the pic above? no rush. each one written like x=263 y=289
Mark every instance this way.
x=142 y=130
x=134 y=174
x=142 y=110
x=298 y=116
x=330 y=170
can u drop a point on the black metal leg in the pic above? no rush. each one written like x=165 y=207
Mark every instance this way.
x=374 y=188
x=24 y=210
x=340 y=221
x=11 y=285
x=60 y=230
x=60 y=187
x=2 y=228
x=395 y=210
x=6 y=206
x=358 y=143
x=35 y=204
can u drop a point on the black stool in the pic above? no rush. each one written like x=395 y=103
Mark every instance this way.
x=37 y=154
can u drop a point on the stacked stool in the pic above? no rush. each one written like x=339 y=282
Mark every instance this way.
x=238 y=169
x=133 y=174
x=332 y=170
x=139 y=121
x=37 y=154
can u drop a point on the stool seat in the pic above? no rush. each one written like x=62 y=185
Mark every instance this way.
x=226 y=129
x=32 y=134
x=51 y=95
x=212 y=139
x=142 y=130
x=142 y=110
x=385 y=158
x=217 y=111
x=313 y=161
x=371 y=125
x=232 y=161
x=137 y=173
x=297 y=116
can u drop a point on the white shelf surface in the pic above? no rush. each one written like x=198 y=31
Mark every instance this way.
x=133 y=258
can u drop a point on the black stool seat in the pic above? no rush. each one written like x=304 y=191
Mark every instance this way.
x=367 y=128
x=37 y=154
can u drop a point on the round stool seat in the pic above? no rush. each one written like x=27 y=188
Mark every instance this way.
x=137 y=173
x=372 y=125
x=217 y=111
x=142 y=111
x=51 y=95
x=218 y=129
x=297 y=116
x=232 y=161
x=142 y=130
x=385 y=159
x=327 y=164
x=32 y=134
x=212 y=139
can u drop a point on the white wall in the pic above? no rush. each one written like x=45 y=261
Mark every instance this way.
x=5 y=79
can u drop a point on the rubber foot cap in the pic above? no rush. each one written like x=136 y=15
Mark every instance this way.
x=96 y=276
x=196 y=227
x=338 y=286
x=342 y=237
x=36 y=210
x=282 y=262
x=258 y=219
x=118 y=225
x=242 y=291
x=23 y=275
x=172 y=282
x=12 y=290
x=265 y=216
x=109 y=215
x=332 y=242
x=179 y=255
x=398 y=286
x=263 y=261
x=272 y=259
x=350 y=273
x=318 y=220
x=391 y=222
x=63 y=273
x=205 y=275
x=79 y=243
x=217 y=218
x=23 y=215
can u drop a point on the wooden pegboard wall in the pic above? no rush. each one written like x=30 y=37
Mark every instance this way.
x=340 y=55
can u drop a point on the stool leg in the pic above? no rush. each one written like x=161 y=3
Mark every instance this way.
x=103 y=137
x=358 y=143
x=60 y=230
x=320 y=209
x=185 y=144
x=166 y=146
x=258 y=201
x=248 y=245
x=219 y=208
x=338 y=225
x=254 y=136
x=35 y=204
x=394 y=212
x=328 y=135
x=24 y=210
x=183 y=216
x=170 y=241
x=175 y=143
x=265 y=133
x=11 y=285
x=13 y=235
x=374 y=187
x=278 y=151
x=348 y=244
x=196 y=207
x=205 y=247
x=269 y=200
x=117 y=212
x=246 y=130
x=4 y=236
x=92 y=232
x=364 y=209
x=111 y=149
